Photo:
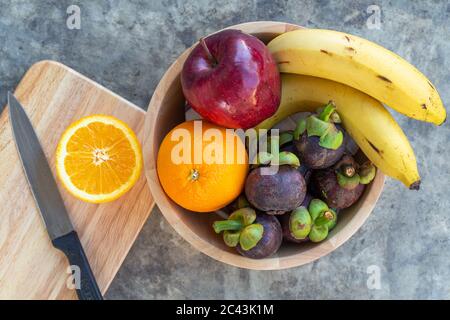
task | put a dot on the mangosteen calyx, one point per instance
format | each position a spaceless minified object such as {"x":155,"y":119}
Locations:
{"x":231,"y":238}
{"x":288,"y":158}
{"x":286,"y":137}
{"x":240,"y":229}
{"x":322,"y":124}
{"x":300,"y":223}
{"x":284,"y":157}
{"x":367,"y":172}
{"x":300,"y":128}
{"x":349,"y":174}
{"x":242,"y":202}
{"x":275,"y":157}
{"x":262,"y":158}
{"x":250,"y":236}
{"x":323,"y":220}
{"x":347,"y":182}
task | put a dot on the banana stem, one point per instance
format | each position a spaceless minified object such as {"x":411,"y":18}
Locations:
{"x":415,"y":185}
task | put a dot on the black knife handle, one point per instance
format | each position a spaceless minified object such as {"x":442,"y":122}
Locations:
{"x":70,"y":244}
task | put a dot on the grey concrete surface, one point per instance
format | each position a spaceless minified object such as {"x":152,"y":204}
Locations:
{"x":127,"y":45}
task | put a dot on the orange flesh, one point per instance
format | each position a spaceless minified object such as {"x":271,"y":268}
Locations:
{"x":100,"y":158}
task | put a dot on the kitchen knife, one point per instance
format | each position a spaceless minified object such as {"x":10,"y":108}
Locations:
{"x":48,"y":199}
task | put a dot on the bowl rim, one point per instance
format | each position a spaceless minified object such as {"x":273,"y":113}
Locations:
{"x":166,"y":205}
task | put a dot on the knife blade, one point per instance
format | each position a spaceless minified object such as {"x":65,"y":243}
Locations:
{"x":49,"y":200}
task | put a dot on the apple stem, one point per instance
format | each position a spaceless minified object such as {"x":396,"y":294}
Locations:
{"x":208,"y":53}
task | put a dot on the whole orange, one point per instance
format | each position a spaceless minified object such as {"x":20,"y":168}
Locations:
{"x":201,"y":166}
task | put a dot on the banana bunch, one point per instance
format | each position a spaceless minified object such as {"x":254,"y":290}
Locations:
{"x":366,"y":120}
{"x":324,"y":65}
{"x":360,"y":64}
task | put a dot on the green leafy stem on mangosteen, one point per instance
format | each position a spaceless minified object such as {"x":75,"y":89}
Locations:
{"x":240,"y":229}
{"x":284,"y":157}
{"x":275,"y":157}
{"x":322,"y":124}
{"x":328,"y":113}
{"x":286,"y":137}
{"x":273,"y":142}
{"x":323,"y":220}
{"x":242,"y":202}
{"x":367,"y":172}
{"x":349,"y":174}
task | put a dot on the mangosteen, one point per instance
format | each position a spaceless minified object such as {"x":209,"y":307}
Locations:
{"x":318,"y":138}
{"x":275,"y":185}
{"x":310,"y":222}
{"x":253,"y":235}
{"x":275,"y":191}
{"x":342,"y":185}
{"x":323,"y":218}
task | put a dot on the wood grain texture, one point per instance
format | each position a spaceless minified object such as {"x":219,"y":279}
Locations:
{"x":30,"y":267}
{"x":166,"y":110}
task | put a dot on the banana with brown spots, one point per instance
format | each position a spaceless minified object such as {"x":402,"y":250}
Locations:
{"x":368,"y":122}
{"x":360,"y":64}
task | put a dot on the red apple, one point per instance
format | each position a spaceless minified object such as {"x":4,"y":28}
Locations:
{"x":231,"y":79}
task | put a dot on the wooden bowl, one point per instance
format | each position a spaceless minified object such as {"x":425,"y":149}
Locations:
{"x":165,"y":111}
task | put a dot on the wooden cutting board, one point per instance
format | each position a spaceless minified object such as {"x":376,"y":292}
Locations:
{"x":30,"y":267}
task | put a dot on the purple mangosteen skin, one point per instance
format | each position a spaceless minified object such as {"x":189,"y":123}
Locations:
{"x":325,"y":184}
{"x":284,"y":221}
{"x":270,"y":241}
{"x":314,"y":156}
{"x":278,"y":193}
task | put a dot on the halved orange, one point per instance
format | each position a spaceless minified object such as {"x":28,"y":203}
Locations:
{"x":98,"y":158}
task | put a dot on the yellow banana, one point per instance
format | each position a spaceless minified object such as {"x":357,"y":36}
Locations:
{"x":366,"y":120}
{"x":360,"y":64}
